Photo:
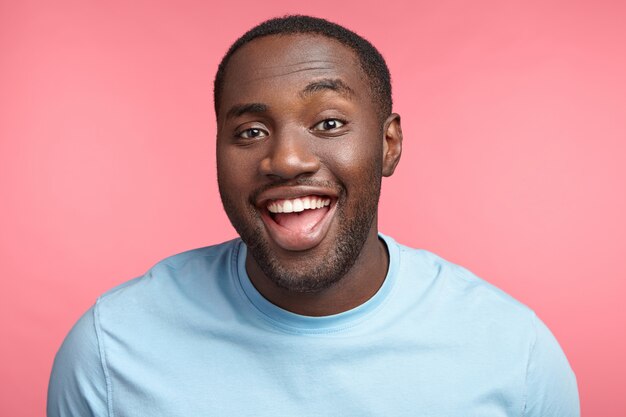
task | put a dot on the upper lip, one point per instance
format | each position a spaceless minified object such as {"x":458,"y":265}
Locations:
{"x":288,"y":192}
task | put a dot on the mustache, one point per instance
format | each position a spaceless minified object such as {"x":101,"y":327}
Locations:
{"x":297,"y":182}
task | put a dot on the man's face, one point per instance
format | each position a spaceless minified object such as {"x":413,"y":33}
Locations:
{"x":300,"y":157}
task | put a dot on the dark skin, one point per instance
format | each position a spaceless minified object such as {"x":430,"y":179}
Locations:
{"x":297,"y":118}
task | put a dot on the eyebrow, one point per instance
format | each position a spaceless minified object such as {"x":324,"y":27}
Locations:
{"x":241,"y":109}
{"x":332,"y":84}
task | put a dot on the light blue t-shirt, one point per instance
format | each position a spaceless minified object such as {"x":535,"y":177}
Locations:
{"x":193,"y":337}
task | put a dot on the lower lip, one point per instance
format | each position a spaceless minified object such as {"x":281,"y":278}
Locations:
{"x":299,"y":241}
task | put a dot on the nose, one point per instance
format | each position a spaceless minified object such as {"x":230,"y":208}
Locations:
{"x":289,"y":156}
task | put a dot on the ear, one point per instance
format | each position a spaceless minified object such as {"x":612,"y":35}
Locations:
{"x":392,"y":144}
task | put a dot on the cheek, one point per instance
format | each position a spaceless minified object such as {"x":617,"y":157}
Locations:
{"x":230,"y":181}
{"x":233,"y":168}
{"x":354,"y":157}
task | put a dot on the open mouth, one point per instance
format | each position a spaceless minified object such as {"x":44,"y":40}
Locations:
{"x":299,"y":214}
{"x":299,"y":223}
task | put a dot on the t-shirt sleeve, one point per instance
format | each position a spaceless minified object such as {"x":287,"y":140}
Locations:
{"x":551,"y":388}
{"x":77,"y":383}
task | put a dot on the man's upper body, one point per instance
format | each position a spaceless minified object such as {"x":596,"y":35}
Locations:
{"x":194,"y":337}
{"x":312,"y":312}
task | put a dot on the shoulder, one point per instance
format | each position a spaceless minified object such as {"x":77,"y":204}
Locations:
{"x":130,"y":313}
{"x":78,"y":383}
{"x":173,"y":274}
{"x":477,"y":314}
{"x":173,"y":291}
{"x":460,"y":289}
{"x":551,"y":386}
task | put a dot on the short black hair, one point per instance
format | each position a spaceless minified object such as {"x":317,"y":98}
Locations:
{"x":371,"y":61}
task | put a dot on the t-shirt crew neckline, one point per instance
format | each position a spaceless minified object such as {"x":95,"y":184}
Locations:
{"x":297,"y":323}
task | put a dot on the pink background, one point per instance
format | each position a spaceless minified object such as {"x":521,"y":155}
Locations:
{"x":513,"y":165}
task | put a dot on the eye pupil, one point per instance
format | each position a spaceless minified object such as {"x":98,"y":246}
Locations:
{"x":331,"y":125}
{"x":254,"y":132}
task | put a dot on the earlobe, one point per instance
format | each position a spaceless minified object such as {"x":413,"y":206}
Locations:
{"x":392,"y":144}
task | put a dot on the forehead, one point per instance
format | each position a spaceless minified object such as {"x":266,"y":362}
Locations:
{"x":280,"y":63}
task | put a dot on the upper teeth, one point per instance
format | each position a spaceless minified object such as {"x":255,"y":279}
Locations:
{"x":295,"y":205}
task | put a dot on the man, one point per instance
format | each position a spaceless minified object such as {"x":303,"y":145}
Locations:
{"x":312,"y":312}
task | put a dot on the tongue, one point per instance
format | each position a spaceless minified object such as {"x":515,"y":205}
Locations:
{"x":301,"y":222}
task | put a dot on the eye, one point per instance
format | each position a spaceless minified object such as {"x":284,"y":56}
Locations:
{"x":329,"y":124}
{"x":252,"y":133}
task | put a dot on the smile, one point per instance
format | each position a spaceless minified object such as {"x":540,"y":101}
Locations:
{"x":300,"y":222}
{"x":297,"y":205}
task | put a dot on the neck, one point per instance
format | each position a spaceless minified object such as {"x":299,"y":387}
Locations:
{"x":357,"y":286}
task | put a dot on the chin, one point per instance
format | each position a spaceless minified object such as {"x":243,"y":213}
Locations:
{"x":317,"y":269}
{"x":306,"y":276}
